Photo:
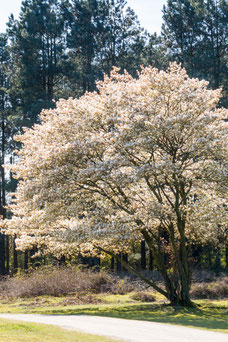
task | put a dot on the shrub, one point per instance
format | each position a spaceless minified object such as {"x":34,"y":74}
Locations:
{"x":143,"y":297}
{"x":215,"y":290}
{"x":60,"y":281}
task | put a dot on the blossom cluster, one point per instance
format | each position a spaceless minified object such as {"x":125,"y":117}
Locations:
{"x":137,"y":155}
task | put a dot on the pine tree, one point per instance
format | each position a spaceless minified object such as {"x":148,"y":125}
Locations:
{"x":81,"y":17}
{"x":182,"y":31}
{"x":196,"y":35}
{"x":215,"y":44}
{"x":37,"y":47}
{"x":5,"y":137}
{"x":101,"y":34}
{"x":123,"y":39}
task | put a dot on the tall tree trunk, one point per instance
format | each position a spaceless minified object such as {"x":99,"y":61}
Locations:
{"x":62,"y":261}
{"x":112,"y":264}
{"x":2,"y":197}
{"x":218,"y":262}
{"x":143,"y":255}
{"x":15,"y":257}
{"x":125,"y":258}
{"x":226,"y":258}
{"x":151,"y":262}
{"x":209,"y":264}
{"x":2,"y":255}
{"x":26,"y":260}
{"x":175,"y":296}
{"x":118,"y":264}
{"x":7,"y":255}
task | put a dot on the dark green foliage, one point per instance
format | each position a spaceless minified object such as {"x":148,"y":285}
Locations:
{"x":5,"y":135}
{"x":59,"y":48}
{"x":196,"y":34}
{"x":101,"y":34}
{"x":37,"y":49}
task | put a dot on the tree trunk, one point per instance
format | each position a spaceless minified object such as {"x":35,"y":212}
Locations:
{"x":151,"y":264}
{"x":125,"y":258}
{"x":2,"y":255}
{"x":217,"y":262}
{"x":143,"y":255}
{"x":227,"y":257}
{"x":26,"y":260}
{"x":112,"y":264}
{"x":177,"y":295}
{"x":62,"y":261}
{"x":7,"y":255}
{"x":118,"y":264}
{"x":2,"y":198}
{"x":15,"y":258}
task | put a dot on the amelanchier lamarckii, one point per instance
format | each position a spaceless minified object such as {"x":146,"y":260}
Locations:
{"x":142,"y":158}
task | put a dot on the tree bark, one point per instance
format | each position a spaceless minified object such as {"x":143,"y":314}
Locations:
{"x":119,"y":263}
{"x":15,"y":259}
{"x":151,"y":264}
{"x":26,"y":260}
{"x":125,"y":258}
{"x":2,"y":197}
{"x":143,"y":255}
{"x":227,"y":258}
{"x":2,"y":255}
{"x":7,"y":255}
{"x":112,"y":264}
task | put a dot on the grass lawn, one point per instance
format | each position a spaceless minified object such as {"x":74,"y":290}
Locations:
{"x":211,"y":315}
{"x":14,"y":331}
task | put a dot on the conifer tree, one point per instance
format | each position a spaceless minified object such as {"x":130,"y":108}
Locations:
{"x":196,"y":34}
{"x":37,"y":44}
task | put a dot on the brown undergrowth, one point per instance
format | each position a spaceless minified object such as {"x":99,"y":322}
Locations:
{"x":82,"y":285}
{"x":217,"y":289}
{"x":60,"y":281}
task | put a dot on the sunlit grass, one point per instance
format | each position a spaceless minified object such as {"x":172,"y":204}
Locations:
{"x":15,"y":331}
{"x":207,"y":314}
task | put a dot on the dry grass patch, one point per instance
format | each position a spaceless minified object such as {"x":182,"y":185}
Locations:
{"x":59,"y":281}
{"x":214,"y":290}
{"x":143,"y":296}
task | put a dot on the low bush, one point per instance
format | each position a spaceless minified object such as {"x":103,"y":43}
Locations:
{"x":78,"y":299}
{"x":81,"y":283}
{"x":60,"y":281}
{"x":143,"y":297}
{"x":214,"y":290}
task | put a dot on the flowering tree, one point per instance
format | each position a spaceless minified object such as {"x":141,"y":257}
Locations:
{"x":141,"y":159}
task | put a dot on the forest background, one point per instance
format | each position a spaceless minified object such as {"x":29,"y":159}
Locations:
{"x":59,"y":48}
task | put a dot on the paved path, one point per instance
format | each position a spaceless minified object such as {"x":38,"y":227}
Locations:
{"x":123,"y":329}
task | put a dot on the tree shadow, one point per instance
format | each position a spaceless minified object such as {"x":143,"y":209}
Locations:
{"x":209,"y":317}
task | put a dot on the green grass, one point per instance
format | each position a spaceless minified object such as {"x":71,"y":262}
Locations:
{"x":13,"y":331}
{"x":211,"y":315}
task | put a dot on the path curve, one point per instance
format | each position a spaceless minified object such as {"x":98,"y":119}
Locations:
{"x":123,"y":329}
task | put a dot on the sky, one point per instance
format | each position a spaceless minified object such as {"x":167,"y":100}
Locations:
{"x":148,"y":11}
